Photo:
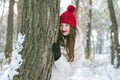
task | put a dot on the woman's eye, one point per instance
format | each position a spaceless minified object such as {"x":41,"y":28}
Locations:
{"x":66,"y":25}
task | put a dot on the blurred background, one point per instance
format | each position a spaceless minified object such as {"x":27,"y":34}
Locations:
{"x":99,"y":21}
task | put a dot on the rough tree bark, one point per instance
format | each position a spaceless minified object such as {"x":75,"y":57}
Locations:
{"x":114,"y":28}
{"x":9,"y":40}
{"x":40,"y":25}
{"x":19,"y":9}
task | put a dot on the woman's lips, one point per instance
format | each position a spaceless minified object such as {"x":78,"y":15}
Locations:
{"x":64,"y":31}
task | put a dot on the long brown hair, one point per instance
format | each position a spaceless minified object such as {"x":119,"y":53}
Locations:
{"x":68,"y":43}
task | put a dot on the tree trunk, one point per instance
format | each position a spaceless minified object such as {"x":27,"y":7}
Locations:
{"x":114,"y":26}
{"x":112,"y":48}
{"x":77,"y":12}
{"x":19,"y":9}
{"x":89,"y":32}
{"x":1,"y":17}
{"x":77,"y":9}
{"x":9,"y":40}
{"x":40,"y":25}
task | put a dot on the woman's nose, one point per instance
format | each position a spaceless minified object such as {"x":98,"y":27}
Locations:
{"x":63,"y":28}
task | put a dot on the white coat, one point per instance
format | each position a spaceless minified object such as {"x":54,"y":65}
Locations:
{"x":63,"y":70}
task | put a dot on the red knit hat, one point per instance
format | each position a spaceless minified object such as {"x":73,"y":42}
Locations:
{"x":68,"y":16}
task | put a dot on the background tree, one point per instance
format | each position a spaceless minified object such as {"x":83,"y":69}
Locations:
{"x":40,"y":25}
{"x":77,"y":9}
{"x":9,"y":40}
{"x":114,"y":29}
{"x":89,"y":31}
{"x":1,"y":18}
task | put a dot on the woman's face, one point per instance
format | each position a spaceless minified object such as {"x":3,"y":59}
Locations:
{"x":65,"y":29}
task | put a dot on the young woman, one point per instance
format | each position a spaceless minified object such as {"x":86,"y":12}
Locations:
{"x":69,"y":47}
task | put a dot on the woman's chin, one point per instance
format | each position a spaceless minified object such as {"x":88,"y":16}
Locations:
{"x":65,"y":34}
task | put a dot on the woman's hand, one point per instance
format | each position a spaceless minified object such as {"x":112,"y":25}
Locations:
{"x":56,"y":51}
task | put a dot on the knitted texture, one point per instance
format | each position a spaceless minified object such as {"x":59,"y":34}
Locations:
{"x":68,"y":16}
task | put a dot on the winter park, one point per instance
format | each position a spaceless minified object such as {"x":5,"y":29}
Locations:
{"x":59,"y":39}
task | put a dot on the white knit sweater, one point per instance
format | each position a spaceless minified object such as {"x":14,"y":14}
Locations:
{"x":63,"y":70}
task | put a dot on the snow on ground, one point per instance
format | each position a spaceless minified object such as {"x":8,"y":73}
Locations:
{"x":98,"y":69}
{"x":7,"y":71}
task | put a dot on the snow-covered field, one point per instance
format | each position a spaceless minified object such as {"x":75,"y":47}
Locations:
{"x":98,"y":69}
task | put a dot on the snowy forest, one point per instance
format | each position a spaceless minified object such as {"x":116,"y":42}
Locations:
{"x":29,"y":27}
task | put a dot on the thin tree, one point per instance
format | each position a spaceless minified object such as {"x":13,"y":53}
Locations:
{"x":40,"y":26}
{"x":77,"y":8}
{"x":1,"y":17}
{"x":114,"y":29}
{"x":89,"y":31}
{"x":112,"y":47}
{"x":9,"y":40}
